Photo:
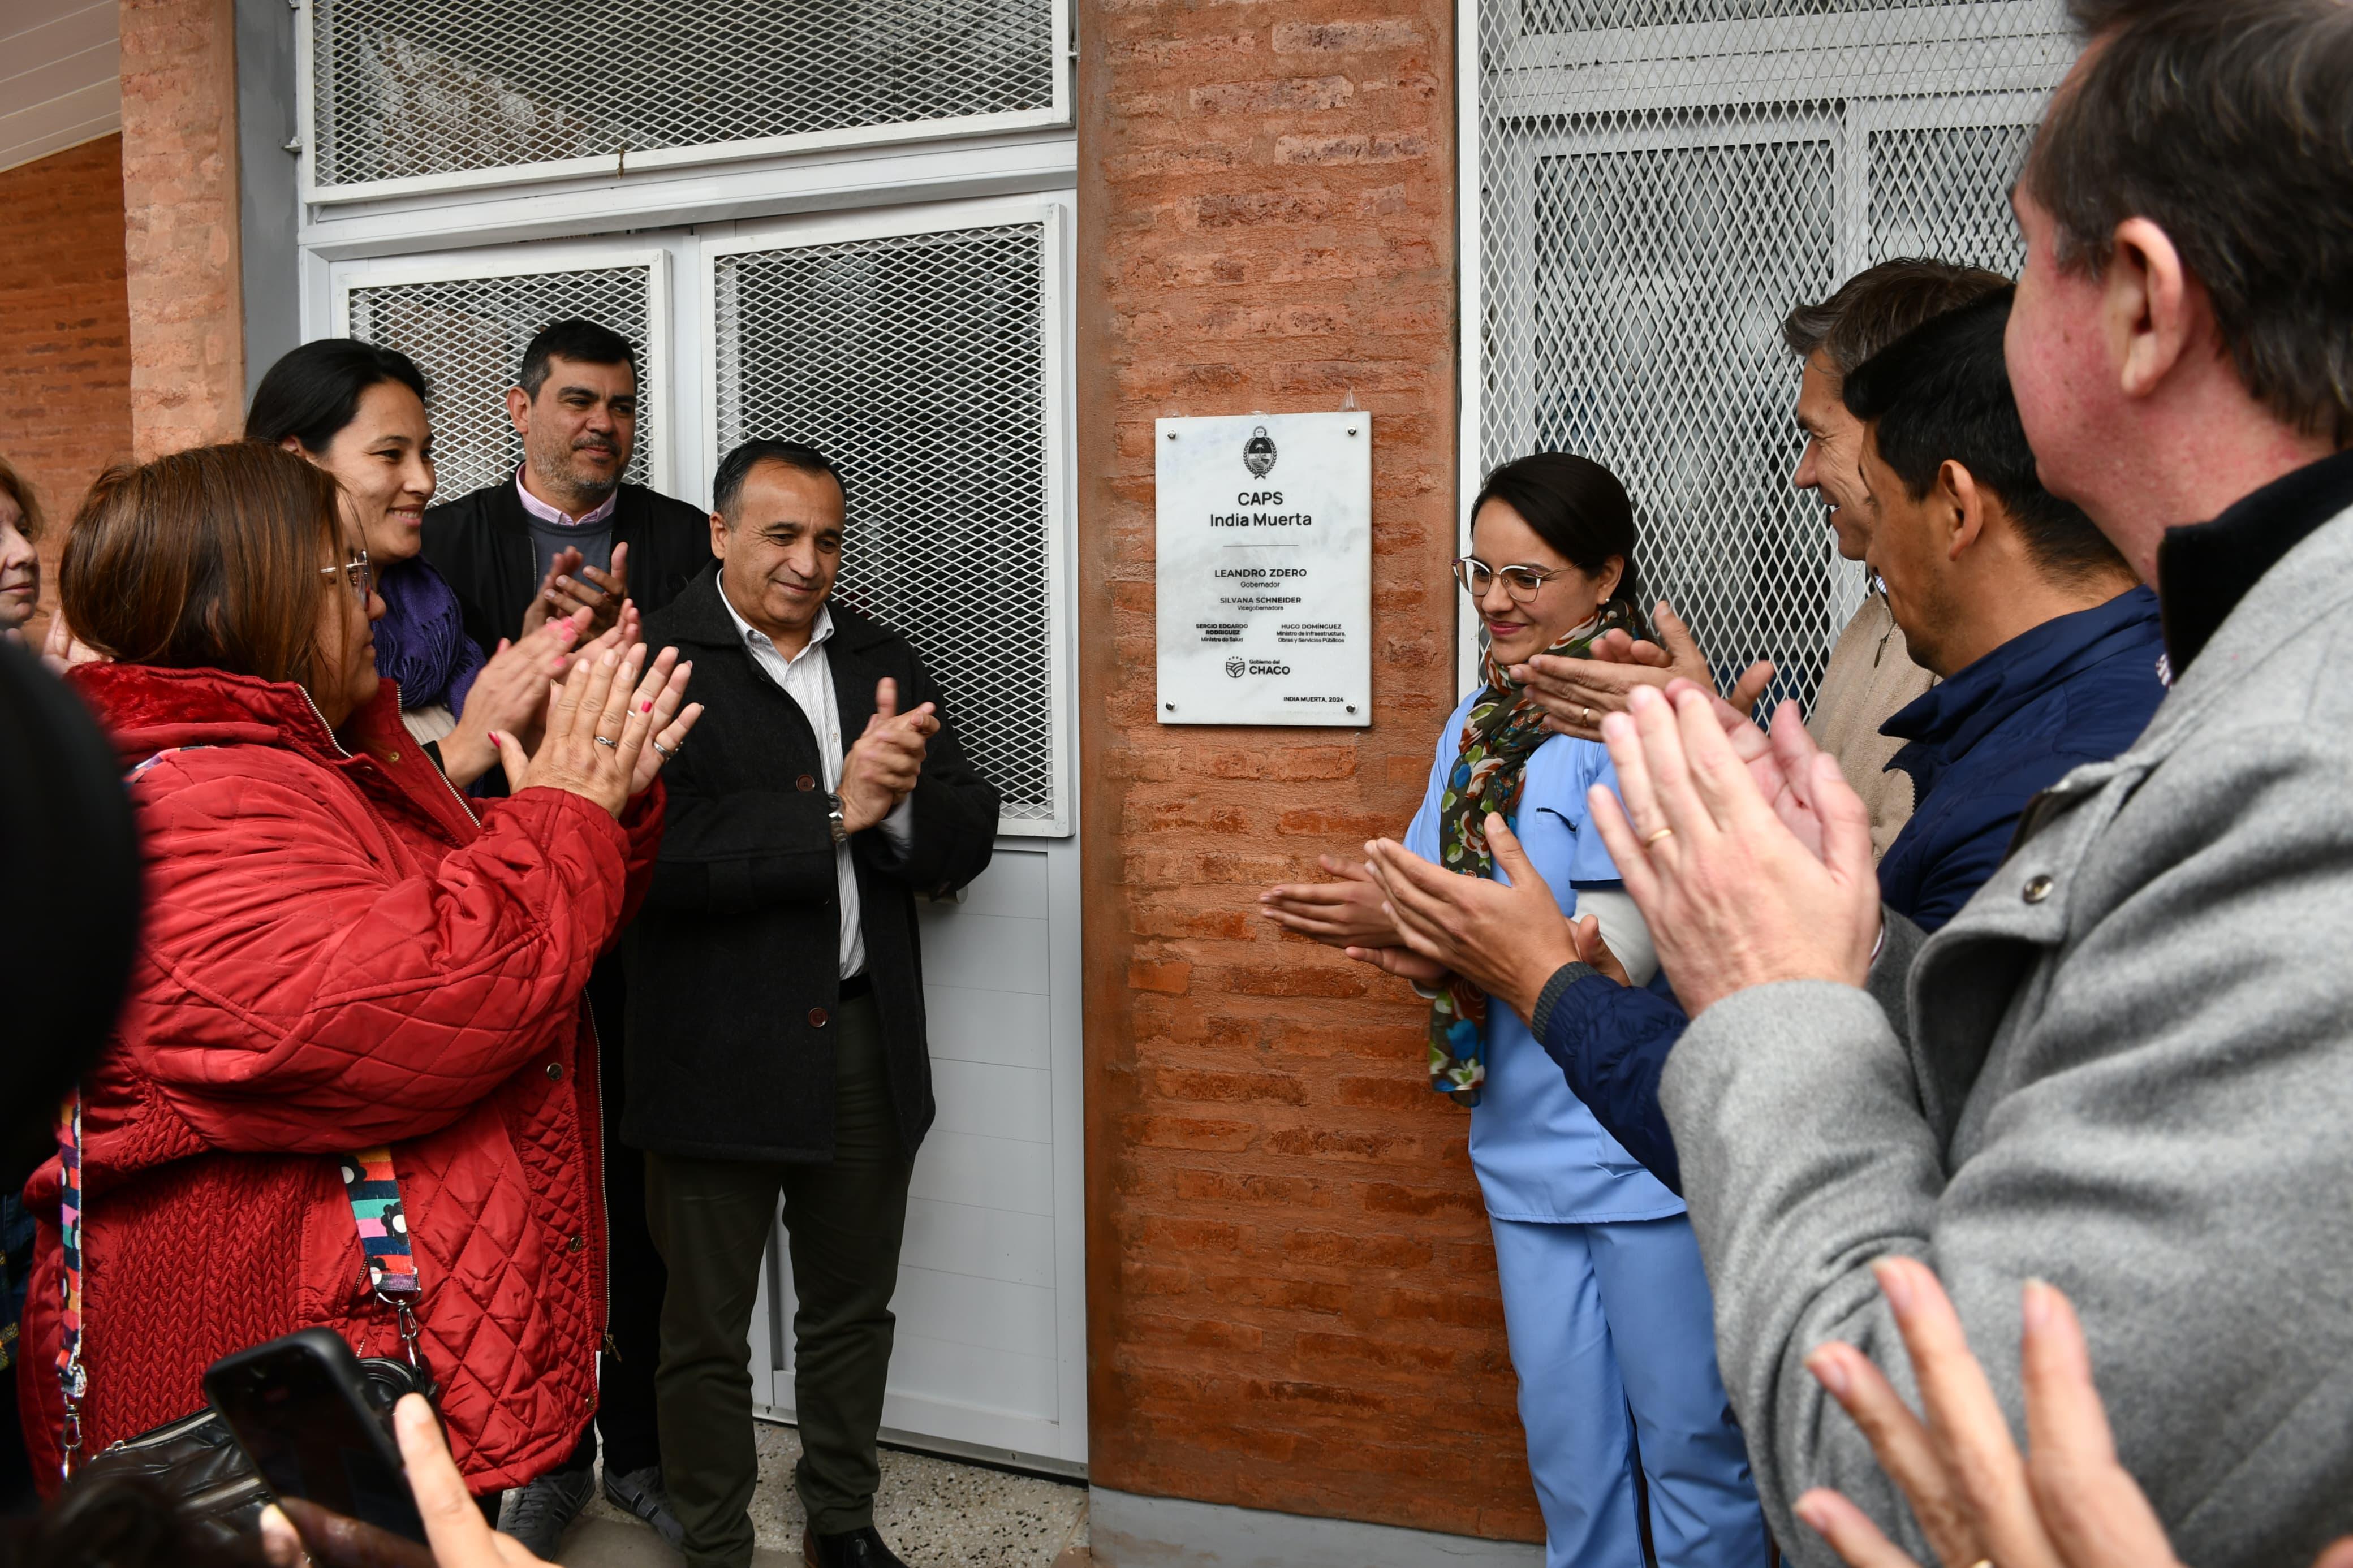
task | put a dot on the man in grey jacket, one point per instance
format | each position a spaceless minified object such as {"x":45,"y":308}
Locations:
{"x":2126,"y":1066}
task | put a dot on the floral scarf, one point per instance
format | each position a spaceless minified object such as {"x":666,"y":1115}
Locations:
{"x":1505,"y":727}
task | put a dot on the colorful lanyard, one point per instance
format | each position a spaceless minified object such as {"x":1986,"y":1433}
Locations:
{"x":368,"y":1183}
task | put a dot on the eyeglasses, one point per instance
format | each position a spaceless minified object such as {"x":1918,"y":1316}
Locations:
{"x":1522,"y":583}
{"x":357,"y":571}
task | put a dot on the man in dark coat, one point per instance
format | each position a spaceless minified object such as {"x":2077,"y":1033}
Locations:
{"x":775,"y":1026}
{"x":564,"y":532}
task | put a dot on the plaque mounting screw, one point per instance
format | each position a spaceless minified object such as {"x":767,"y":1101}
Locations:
{"x":1172,"y":707}
{"x":1352,"y":430}
{"x":1352,"y":708}
{"x":1172,"y":434}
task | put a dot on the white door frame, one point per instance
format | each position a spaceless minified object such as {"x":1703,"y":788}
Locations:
{"x":676,"y":224}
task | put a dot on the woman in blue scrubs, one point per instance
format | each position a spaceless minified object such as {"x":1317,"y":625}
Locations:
{"x":1610,"y":1324}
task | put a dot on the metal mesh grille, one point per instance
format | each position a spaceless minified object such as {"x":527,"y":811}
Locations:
{"x":1661,"y":181}
{"x":468,"y":336}
{"x":916,"y":363}
{"x":409,"y":87}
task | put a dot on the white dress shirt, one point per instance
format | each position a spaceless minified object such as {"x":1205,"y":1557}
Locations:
{"x":807,"y":679}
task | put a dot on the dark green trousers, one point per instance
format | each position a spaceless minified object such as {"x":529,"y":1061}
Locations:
{"x":843,"y":1220}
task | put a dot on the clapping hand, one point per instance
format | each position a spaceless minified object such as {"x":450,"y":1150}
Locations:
{"x":509,"y":693}
{"x":1577,"y":694}
{"x":1733,"y":895}
{"x":1505,"y":940}
{"x":603,"y":717}
{"x":561,"y":591}
{"x":2067,"y":1503}
{"x":883,"y":768}
{"x":1348,"y":912}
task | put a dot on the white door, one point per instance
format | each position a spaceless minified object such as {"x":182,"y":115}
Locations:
{"x":926,"y":349}
{"x":1658,"y":183}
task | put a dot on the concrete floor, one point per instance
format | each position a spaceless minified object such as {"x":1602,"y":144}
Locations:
{"x":935,"y":1514}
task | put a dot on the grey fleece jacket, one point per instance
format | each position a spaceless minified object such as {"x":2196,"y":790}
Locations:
{"x":2127,"y":1067}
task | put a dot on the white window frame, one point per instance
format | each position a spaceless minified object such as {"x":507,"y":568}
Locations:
{"x":579,"y":256}
{"x":621,"y":164}
{"x":1052,"y":213}
{"x":1954,"y":38}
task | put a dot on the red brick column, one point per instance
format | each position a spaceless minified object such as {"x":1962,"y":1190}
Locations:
{"x":1291,"y":1294}
{"x":64,"y":352}
{"x":179,"y":189}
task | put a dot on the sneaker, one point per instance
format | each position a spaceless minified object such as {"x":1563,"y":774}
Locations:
{"x":538,"y":1512}
{"x":851,"y":1548}
{"x":641,"y":1493}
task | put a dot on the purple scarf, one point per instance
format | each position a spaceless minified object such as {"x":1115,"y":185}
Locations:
{"x":421,"y":642}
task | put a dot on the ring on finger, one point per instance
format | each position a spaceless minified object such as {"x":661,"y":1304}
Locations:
{"x":1589,"y":717}
{"x":1650,"y":838}
{"x":668,"y":751}
{"x":603,"y":740}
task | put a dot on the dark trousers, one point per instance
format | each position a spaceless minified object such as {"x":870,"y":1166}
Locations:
{"x":843,"y":1220}
{"x":633,"y":1268}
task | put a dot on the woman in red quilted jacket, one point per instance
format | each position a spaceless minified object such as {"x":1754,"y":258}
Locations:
{"x":338,"y":955}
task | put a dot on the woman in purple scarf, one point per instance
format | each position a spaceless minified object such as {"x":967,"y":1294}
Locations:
{"x":358,"y":411}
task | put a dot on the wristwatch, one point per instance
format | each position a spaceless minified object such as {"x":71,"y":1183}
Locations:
{"x":833,"y":814}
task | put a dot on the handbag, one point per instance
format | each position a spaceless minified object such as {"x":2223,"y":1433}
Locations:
{"x":194,"y":1461}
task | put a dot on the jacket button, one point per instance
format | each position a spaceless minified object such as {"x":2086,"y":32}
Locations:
{"x":816,"y":1017}
{"x":805,"y":781}
{"x":392,"y":756}
{"x":2037,"y":889}
{"x":555,"y":1072}
{"x":576,"y":1244}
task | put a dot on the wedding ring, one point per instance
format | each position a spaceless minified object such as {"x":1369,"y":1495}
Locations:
{"x":602,"y":742}
{"x":666,"y":751}
{"x":1662,"y":833}
{"x":1588,"y":718}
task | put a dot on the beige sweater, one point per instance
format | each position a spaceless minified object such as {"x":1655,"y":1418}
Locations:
{"x":1871,"y":676}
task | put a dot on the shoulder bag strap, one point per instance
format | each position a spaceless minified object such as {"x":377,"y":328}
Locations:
{"x":376,"y":1212}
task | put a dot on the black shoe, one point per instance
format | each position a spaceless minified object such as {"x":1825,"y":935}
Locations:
{"x":641,"y":1493}
{"x":851,"y":1548}
{"x":538,"y":1512}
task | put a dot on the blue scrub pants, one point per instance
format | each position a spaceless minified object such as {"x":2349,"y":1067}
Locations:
{"x":1605,"y":1319}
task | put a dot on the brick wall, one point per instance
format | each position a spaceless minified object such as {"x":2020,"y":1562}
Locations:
{"x":64,"y":349}
{"x":1292,"y":1295}
{"x":179,"y":186}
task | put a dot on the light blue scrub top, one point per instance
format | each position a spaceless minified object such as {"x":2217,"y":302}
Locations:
{"x":1539,"y":1154}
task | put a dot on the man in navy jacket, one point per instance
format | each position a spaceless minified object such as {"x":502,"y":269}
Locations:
{"x":2049,"y":656}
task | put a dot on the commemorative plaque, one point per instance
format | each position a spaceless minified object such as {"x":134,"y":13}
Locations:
{"x":1264,"y":583}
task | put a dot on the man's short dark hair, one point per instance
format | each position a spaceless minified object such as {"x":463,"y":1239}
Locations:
{"x":2230,"y":128}
{"x":736,"y":467}
{"x":1942,"y":391}
{"x":581,"y":341}
{"x":1880,"y":304}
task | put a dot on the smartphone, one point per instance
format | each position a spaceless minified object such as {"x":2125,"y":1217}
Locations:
{"x":300,"y":1407}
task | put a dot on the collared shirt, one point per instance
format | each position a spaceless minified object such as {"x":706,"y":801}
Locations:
{"x":2204,"y":569}
{"x":554,"y":529}
{"x":807,"y":679}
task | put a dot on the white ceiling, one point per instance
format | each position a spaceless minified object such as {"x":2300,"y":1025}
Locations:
{"x":60,"y":82}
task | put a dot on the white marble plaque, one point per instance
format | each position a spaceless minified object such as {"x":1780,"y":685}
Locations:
{"x":1264,"y":585}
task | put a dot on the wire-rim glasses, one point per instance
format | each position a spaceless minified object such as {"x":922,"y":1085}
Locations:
{"x":358,"y":571}
{"x":1522,"y":583}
